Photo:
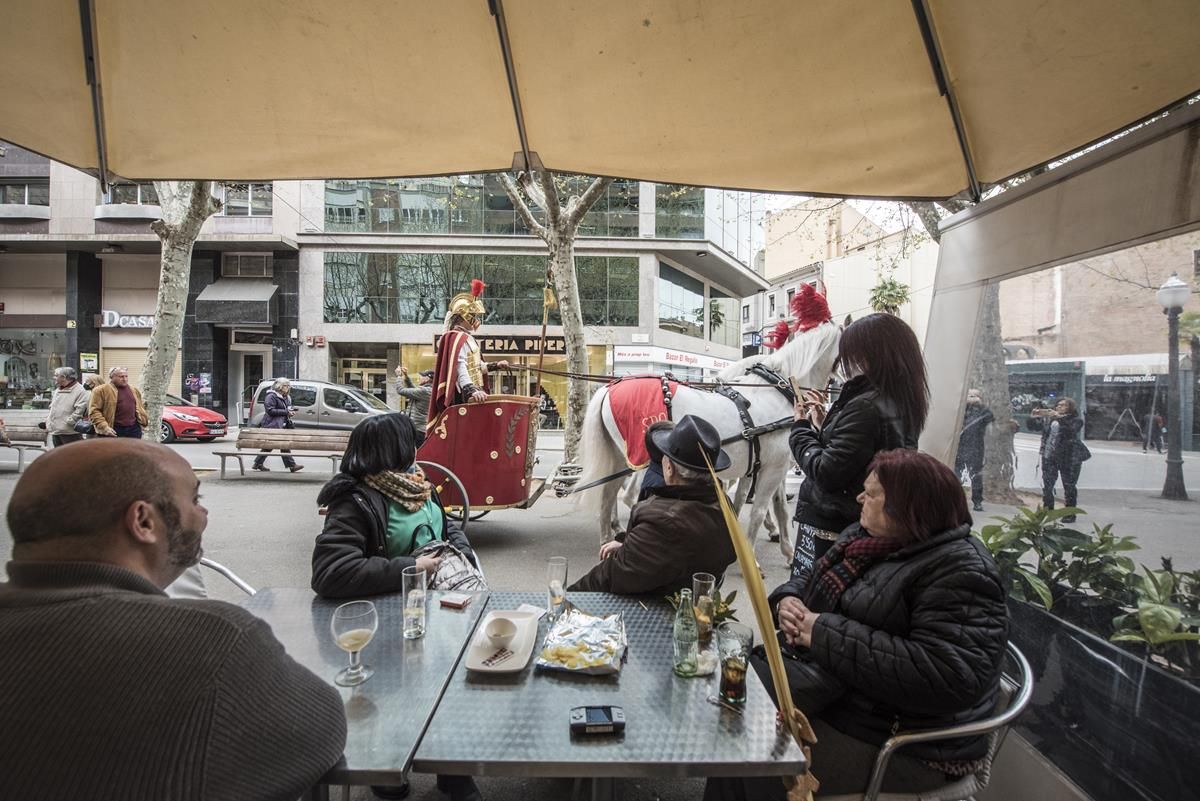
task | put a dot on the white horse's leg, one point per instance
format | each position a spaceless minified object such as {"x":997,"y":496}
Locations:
{"x":610,"y":524}
{"x":779,"y":502}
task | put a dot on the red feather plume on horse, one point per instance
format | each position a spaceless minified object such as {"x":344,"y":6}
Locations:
{"x":809,"y":309}
{"x":477,"y":287}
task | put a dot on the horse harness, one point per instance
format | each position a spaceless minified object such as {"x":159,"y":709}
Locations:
{"x":749,"y":432}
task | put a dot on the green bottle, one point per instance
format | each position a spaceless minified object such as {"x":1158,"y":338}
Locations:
{"x":687,"y":636}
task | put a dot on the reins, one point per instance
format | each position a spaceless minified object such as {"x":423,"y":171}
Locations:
{"x":609,"y":379}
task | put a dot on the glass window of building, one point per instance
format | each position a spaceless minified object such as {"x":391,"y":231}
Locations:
{"x":28,"y":359}
{"x":142,"y":194}
{"x":32,"y":193}
{"x":680,"y":302}
{"x":722,"y":318}
{"x":247,"y":265}
{"x":246,"y":199}
{"x":746,"y":314}
{"x":679,"y":211}
{"x":416,"y":287}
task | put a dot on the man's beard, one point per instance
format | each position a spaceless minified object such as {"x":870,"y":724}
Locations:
{"x":183,"y":545}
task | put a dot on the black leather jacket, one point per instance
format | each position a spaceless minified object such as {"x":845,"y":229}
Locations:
{"x":834,"y":460}
{"x":350,"y":555}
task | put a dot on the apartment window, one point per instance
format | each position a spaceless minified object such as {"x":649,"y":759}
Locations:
{"x":35,"y":193}
{"x":771,"y":306}
{"x":247,"y":265}
{"x":791,"y":293}
{"x":680,"y":302}
{"x":131,"y":194}
{"x":746,"y":313}
{"x":247,"y":200}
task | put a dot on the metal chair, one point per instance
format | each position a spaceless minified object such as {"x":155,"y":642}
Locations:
{"x":1015,"y":693}
{"x":227,"y":573}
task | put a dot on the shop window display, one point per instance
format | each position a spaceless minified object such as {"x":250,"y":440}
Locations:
{"x":28,"y":359}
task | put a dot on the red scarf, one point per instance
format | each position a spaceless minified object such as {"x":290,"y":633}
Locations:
{"x":843,"y":564}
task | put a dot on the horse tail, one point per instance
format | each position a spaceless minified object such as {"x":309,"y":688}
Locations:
{"x":599,"y":454}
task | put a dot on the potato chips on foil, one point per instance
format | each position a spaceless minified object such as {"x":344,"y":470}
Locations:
{"x":583,"y":643}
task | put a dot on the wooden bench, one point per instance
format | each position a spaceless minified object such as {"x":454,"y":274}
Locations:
{"x":24,"y":438}
{"x":304,"y":443}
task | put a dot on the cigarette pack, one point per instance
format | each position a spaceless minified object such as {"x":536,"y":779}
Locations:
{"x":456,"y":600}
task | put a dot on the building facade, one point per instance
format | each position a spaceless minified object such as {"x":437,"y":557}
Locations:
{"x":346,"y":280}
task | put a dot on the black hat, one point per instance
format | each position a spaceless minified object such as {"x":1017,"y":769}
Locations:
{"x":426,"y":373}
{"x":691,"y":437}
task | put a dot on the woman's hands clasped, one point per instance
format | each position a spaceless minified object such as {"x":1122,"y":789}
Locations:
{"x":796,"y":621}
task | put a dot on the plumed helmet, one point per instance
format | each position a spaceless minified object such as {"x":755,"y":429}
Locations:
{"x":468,"y":305}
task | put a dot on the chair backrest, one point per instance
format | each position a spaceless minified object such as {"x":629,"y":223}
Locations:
{"x":1014,"y":695}
{"x":227,"y":573}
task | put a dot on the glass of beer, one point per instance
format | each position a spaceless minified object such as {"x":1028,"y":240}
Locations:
{"x":413,"y":581}
{"x":703,"y":585}
{"x":353,"y":625}
{"x":556,"y":582}
{"x":733,"y":644}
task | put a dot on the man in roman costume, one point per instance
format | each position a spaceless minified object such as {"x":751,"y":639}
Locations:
{"x":460,"y":374}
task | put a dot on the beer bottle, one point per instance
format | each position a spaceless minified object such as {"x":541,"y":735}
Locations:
{"x":687,"y":636}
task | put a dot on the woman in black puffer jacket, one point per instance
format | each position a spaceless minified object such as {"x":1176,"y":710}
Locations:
{"x":882,"y":406}
{"x":379,"y":513}
{"x":902,"y":628}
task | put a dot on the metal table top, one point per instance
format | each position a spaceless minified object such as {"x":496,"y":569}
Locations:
{"x":387,"y":714}
{"x":516,"y":724}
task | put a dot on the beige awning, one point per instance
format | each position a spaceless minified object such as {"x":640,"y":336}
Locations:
{"x":786,"y":95}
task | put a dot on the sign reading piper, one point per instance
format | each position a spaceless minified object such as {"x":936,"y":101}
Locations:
{"x":524,"y":346}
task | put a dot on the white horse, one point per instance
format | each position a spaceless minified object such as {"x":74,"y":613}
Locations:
{"x":808,"y":358}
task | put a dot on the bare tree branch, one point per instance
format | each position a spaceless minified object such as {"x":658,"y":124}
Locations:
{"x":1119,"y":278}
{"x":578,"y":206}
{"x":514,"y":194}
{"x":550,"y":195}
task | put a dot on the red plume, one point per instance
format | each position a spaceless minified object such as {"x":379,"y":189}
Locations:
{"x":777,"y":336}
{"x":477,"y":287}
{"x":810,"y":308}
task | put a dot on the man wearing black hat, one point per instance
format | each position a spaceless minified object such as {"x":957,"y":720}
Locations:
{"x":678,"y":530}
{"x":417,"y":397}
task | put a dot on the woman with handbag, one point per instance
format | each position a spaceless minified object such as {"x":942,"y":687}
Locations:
{"x":383,"y":516}
{"x":277,"y":413}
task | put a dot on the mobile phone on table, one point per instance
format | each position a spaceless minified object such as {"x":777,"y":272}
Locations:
{"x":597,"y":720}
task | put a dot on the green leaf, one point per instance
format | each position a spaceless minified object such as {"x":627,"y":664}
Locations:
{"x":1158,"y":621}
{"x":1038,"y":586}
{"x":1128,"y":637}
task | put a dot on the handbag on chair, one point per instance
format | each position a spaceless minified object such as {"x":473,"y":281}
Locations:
{"x":455,"y":571}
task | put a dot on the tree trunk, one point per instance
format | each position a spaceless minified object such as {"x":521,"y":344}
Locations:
{"x":185,"y":205}
{"x":566,"y":287}
{"x":990,"y":374}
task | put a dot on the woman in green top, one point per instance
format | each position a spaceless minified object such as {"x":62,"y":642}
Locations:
{"x":380,"y":510}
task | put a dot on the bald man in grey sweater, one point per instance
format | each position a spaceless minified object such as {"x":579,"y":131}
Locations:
{"x":113,"y":690}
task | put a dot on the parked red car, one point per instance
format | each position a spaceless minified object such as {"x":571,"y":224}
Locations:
{"x":182,"y":420}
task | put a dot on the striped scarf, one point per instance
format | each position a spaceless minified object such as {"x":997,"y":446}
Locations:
{"x":843,"y":564}
{"x":410,"y":490}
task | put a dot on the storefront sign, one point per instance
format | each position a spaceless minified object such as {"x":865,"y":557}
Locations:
{"x":650,"y":353}
{"x":1130,"y":379}
{"x":517,"y":346}
{"x":89,"y":362}
{"x":113,"y":319}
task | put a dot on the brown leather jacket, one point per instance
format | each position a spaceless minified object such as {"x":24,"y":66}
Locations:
{"x":103,"y":408}
{"x":675,"y":532}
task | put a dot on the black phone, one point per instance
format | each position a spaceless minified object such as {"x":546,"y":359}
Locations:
{"x":597,"y":720}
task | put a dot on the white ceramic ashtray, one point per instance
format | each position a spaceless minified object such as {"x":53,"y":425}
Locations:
{"x":500,"y":631}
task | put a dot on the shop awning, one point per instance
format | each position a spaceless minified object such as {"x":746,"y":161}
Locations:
{"x":238,"y":301}
{"x":883,"y":98}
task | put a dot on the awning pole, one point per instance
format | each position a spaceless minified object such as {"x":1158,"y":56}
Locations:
{"x":531,"y":162}
{"x":91,"y":66}
{"x":933,"y":50}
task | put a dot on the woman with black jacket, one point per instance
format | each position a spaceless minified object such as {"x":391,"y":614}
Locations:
{"x":380,"y":510}
{"x":1062,"y":452}
{"x":881,"y":406}
{"x":902,"y":628}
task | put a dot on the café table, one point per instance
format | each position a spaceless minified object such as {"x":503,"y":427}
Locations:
{"x":387,"y":714}
{"x":516,"y":724}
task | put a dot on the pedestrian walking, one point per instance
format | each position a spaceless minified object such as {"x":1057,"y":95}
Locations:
{"x":417,"y":397}
{"x":1152,"y":426}
{"x":116,"y":409}
{"x":68,"y":406}
{"x":976,"y":419}
{"x":1062,"y":452}
{"x":278,"y":414}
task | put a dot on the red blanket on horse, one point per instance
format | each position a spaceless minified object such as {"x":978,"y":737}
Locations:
{"x":637,"y":403}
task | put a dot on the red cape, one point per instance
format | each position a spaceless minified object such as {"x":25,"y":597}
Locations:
{"x":445,"y":378}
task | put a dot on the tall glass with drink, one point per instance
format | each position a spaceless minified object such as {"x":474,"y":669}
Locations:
{"x":703,"y":585}
{"x":353,"y":625}
{"x":733,"y":644}
{"x":556,"y":582}
{"x":413,"y":581}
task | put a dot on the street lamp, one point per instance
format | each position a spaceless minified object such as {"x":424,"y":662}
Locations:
{"x":1171,"y":296}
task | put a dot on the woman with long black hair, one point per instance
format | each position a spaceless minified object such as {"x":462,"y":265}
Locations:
{"x":881,"y":406}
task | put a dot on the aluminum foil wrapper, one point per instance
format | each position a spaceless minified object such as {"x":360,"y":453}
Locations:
{"x":583,"y":643}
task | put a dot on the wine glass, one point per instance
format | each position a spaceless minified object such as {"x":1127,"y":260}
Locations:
{"x":353,"y":625}
{"x":556,"y":582}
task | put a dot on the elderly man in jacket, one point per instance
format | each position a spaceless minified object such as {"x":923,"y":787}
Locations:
{"x":678,"y":530}
{"x":115,"y":690}
{"x":116,"y":408}
{"x":68,"y":406}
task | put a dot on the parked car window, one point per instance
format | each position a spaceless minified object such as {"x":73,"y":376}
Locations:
{"x":303,"y":396}
{"x":336,"y":399}
{"x":174,"y":401}
{"x":371,"y":401}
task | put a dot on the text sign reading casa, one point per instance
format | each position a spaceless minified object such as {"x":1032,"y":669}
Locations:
{"x":113,"y":319}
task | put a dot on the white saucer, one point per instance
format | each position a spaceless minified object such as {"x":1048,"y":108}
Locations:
{"x":481,"y":649}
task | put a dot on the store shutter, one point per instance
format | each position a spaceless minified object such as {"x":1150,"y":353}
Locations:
{"x":132,"y":359}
